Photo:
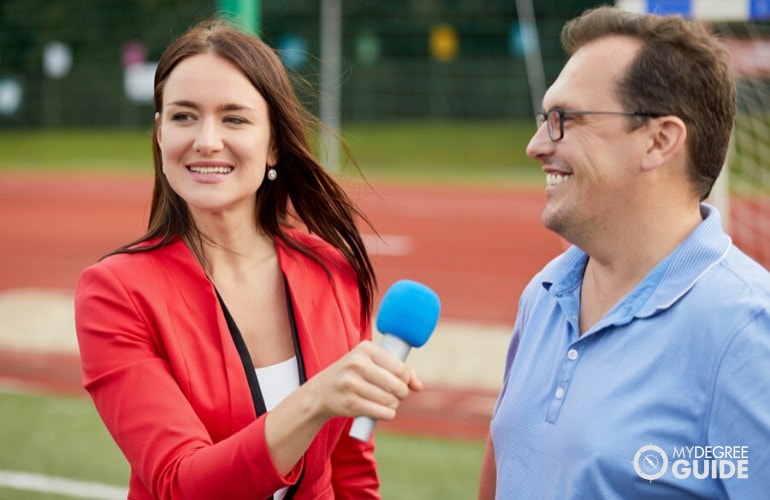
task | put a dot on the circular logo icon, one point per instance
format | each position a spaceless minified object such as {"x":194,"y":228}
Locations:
{"x":650,"y":462}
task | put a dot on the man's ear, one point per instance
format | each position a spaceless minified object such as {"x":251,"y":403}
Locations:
{"x":668,"y":138}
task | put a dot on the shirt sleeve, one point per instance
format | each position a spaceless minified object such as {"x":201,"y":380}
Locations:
{"x":526,"y":303}
{"x":144,"y":409}
{"x":740,"y":415}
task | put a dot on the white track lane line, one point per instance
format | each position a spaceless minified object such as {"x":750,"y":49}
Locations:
{"x":60,"y":486}
{"x":387,"y":244}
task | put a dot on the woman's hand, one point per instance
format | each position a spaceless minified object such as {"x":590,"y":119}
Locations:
{"x":367,"y":381}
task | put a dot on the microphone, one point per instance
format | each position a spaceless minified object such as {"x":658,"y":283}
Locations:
{"x":408,"y":314}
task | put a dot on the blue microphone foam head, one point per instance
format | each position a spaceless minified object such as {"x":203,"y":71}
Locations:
{"x":409,"y":310}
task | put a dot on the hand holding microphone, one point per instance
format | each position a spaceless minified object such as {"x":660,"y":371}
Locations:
{"x":408,"y":315}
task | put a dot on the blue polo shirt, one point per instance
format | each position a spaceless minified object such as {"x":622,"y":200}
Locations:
{"x":667,"y":396}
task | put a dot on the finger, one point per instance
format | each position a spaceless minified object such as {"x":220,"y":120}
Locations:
{"x":362,"y":378}
{"x":394,"y":383}
{"x":358,"y":385}
{"x":397,"y":367}
{"x":381,"y":368}
{"x":385,"y":358}
{"x":358,"y":397}
{"x":414,"y":383}
{"x":375,"y":411}
{"x":343,"y":391}
{"x":389,"y":362}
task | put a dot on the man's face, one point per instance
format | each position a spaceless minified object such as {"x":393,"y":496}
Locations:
{"x":590,"y":172}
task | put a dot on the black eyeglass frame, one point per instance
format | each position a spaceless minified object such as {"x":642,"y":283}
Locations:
{"x":545,"y":117}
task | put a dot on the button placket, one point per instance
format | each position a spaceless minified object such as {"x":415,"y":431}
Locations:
{"x":566,"y":371}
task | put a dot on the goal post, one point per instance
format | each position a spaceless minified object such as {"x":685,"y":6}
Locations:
{"x":742,"y":191}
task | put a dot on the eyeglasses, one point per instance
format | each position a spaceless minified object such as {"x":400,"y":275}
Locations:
{"x":555,"y":119}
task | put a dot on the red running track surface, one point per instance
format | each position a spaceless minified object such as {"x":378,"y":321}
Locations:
{"x":476,"y":247}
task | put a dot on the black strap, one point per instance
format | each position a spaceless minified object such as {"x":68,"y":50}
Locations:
{"x":248,"y":366}
{"x":294,"y":334}
{"x":292,"y":491}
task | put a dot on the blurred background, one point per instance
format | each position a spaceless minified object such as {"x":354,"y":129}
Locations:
{"x":436,"y":99}
{"x":85,"y":63}
{"x":88,"y":64}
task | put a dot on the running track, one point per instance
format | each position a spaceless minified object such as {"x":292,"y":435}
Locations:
{"x":475,"y":247}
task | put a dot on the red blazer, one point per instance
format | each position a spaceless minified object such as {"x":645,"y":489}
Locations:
{"x":164,"y":373}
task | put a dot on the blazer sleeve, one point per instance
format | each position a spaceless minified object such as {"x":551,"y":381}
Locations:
{"x":354,"y":468}
{"x":128,"y":375}
{"x":329,"y":322}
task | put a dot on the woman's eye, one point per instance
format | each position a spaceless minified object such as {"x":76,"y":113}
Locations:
{"x":234,"y":120}
{"x":181,"y":117}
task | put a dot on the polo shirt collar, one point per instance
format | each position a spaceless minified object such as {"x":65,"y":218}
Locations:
{"x":704,"y":248}
{"x":665,"y":284}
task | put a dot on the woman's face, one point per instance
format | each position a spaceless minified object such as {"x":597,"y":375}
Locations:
{"x":214,"y":136}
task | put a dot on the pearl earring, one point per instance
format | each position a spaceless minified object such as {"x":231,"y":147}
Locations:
{"x":272,"y":174}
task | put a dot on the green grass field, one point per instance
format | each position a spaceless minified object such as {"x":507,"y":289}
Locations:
{"x":464,"y":152}
{"x":63,"y":437}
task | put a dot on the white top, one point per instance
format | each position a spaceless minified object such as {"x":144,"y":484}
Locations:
{"x":276,"y":382}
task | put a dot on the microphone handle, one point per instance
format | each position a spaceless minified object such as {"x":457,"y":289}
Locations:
{"x":363,"y":426}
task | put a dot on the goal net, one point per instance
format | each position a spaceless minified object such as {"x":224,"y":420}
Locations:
{"x":742,"y":192}
{"x":748,"y":164}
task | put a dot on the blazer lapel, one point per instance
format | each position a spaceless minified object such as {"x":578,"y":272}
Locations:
{"x":323,"y":335}
{"x":204,"y":340}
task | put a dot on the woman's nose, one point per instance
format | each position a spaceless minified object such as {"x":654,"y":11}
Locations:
{"x":208,"y":138}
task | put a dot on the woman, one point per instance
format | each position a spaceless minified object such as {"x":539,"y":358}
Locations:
{"x":227,"y":348}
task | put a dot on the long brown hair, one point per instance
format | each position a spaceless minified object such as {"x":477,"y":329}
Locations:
{"x":303,"y":191}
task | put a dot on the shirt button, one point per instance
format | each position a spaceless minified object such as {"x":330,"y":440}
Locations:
{"x":559,"y":393}
{"x":572,"y":354}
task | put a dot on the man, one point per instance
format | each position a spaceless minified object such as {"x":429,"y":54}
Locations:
{"x":640,"y":361}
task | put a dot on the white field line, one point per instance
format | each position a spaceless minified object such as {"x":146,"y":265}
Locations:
{"x":60,"y":486}
{"x":387,"y":244}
